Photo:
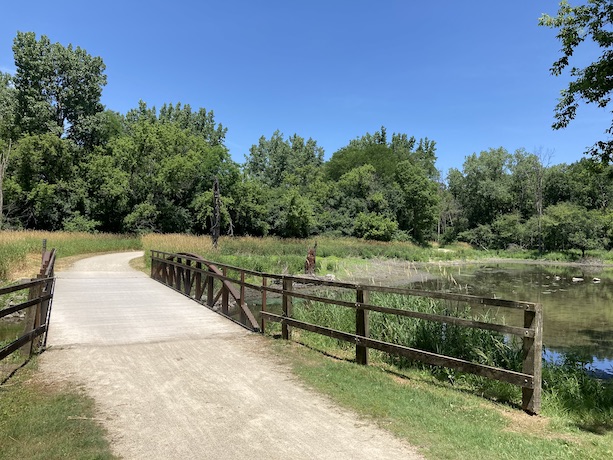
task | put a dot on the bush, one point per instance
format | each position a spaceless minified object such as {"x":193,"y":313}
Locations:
{"x":79,"y":223}
{"x":371,"y":226}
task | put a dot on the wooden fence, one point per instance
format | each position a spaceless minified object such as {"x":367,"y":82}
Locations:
{"x":210,"y":284}
{"x":37,"y":308}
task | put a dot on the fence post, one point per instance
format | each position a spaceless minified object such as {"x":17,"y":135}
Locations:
{"x":170,"y":280}
{"x":532,"y":354}
{"x":210,"y":285}
{"x":361,"y":326}
{"x":243,"y":317}
{"x":224,"y":292}
{"x":187,"y":278}
{"x":50,"y":288}
{"x":286,"y":331}
{"x":198,"y":282}
{"x":32,"y":318}
{"x":262,"y":320}
{"x":178,"y":274}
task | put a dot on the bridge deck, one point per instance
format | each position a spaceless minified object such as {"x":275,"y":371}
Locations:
{"x":172,"y":379}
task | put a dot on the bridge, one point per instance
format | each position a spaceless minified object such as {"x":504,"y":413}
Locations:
{"x":172,"y":379}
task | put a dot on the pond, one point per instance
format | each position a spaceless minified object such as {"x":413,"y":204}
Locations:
{"x":577,"y":302}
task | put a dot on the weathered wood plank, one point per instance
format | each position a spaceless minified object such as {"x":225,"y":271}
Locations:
{"x":287,"y":308}
{"x":22,"y":285}
{"x":21,"y":306}
{"x":532,"y":352}
{"x":514,"y":330}
{"x":361,"y":326}
{"x":515,"y":378}
{"x":21,"y":341}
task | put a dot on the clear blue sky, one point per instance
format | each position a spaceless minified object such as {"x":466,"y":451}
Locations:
{"x":469,"y":75}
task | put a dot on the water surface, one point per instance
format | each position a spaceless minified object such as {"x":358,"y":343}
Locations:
{"x":577,"y":302}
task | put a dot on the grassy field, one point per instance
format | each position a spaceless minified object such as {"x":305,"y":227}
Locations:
{"x":447,"y":415}
{"x":20,"y":248}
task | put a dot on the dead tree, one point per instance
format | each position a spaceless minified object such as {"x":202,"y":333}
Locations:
{"x":309,"y":263}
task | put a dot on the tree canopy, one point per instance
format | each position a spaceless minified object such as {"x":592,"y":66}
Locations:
{"x":57,"y":87}
{"x":67,"y":162}
{"x":592,"y":83}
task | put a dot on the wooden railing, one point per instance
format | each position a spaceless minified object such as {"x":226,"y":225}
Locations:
{"x":210,"y":284}
{"x":197,"y":278}
{"x":37,"y":307}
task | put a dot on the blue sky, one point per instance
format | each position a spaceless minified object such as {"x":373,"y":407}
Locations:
{"x":469,"y":75}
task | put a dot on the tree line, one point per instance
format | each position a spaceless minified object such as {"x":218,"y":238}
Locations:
{"x":69,"y":163}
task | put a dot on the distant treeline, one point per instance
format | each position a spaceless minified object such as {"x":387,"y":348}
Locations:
{"x":67,"y":163}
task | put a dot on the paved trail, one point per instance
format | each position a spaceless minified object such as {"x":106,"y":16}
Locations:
{"x":173,"y":380}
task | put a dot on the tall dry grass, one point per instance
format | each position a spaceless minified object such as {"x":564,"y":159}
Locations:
{"x":17,"y":246}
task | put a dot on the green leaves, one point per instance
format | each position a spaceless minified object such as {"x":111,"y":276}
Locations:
{"x":592,"y":84}
{"x":57,"y":87}
{"x":276,"y":160}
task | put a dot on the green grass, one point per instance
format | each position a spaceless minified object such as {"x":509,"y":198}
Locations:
{"x":38,"y":421}
{"x":570,"y":394}
{"x":10,"y":332}
{"x":443,"y":422}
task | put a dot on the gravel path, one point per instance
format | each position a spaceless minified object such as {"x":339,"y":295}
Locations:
{"x":171,"y":379}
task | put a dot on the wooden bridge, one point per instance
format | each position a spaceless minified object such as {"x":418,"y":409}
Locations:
{"x":172,"y":379}
{"x":210,"y":283}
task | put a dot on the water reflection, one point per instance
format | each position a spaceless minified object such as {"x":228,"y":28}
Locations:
{"x":577,"y":302}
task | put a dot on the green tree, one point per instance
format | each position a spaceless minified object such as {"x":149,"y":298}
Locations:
{"x":50,"y":188}
{"x":592,"y":83}
{"x":98,"y":129}
{"x":357,"y":191}
{"x":7,"y":130}
{"x":200,"y":123}
{"x":569,"y":226}
{"x":249,"y":210}
{"x":373,"y":149}
{"x":483,"y":188}
{"x":508,"y":230}
{"x":276,"y":161}
{"x":291,"y":214}
{"x":108,"y":191}
{"x":167,"y":168}
{"x":57,"y":87}
{"x":419,"y":198}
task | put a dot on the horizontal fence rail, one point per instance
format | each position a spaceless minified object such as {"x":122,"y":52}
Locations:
{"x":37,"y":309}
{"x":210,"y":284}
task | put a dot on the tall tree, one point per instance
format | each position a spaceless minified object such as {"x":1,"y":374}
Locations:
{"x":274,"y":160}
{"x":374,"y":149}
{"x":57,"y":87}
{"x":483,"y":187}
{"x":420,"y":200}
{"x":593,"y":83}
{"x":7,"y":130}
{"x":201,"y":123}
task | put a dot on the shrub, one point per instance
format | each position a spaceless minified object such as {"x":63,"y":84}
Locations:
{"x":371,"y":226}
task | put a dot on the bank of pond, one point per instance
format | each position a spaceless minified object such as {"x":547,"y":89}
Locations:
{"x":577,"y":303}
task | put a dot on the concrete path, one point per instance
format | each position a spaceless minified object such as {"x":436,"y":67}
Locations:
{"x":173,"y":380}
